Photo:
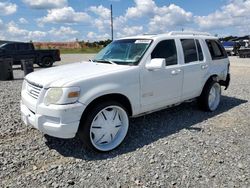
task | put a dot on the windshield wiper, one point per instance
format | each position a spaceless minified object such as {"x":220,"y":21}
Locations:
{"x":103,"y":61}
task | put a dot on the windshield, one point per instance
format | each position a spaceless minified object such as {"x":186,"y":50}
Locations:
{"x":123,"y":52}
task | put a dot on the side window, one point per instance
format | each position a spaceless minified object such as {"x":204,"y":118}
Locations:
{"x":23,"y":46}
{"x":189,"y":49}
{"x":216,"y":50}
{"x":166,"y":49}
{"x":200,"y":54}
{"x":18,"y":47}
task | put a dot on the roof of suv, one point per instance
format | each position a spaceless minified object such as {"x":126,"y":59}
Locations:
{"x":174,"y":34}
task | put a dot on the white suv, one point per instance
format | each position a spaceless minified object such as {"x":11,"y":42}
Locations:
{"x":131,"y":77}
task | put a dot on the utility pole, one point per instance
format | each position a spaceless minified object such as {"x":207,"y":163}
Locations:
{"x":111,"y":19}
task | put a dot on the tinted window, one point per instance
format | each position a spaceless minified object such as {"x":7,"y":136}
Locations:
{"x":23,"y":46}
{"x":200,"y":54}
{"x":166,"y":49}
{"x":216,"y":49}
{"x":189,"y":49}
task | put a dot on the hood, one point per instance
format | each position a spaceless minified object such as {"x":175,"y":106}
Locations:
{"x":61,"y":75}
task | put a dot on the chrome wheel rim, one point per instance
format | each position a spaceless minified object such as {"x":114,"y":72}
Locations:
{"x":214,"y":96}
{"x":109,"y":128}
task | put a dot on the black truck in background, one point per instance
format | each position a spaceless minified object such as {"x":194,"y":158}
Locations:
{"x":23,"y":51}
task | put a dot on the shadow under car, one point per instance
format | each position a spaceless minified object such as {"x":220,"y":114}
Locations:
{"x":146,"y":129}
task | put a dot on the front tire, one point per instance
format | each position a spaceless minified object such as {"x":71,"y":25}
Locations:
{"x":209,"y":99}
{"x":104,"y":127}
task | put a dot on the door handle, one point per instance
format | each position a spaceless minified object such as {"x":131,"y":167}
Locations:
{"x":175,"y":72}
{"x":178,"y":70}
{"x":204,"y":66}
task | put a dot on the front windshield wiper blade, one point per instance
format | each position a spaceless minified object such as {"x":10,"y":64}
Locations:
{"x":103,"y":61}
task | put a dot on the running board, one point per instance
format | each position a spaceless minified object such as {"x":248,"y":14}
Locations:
{"x":163,"y":108}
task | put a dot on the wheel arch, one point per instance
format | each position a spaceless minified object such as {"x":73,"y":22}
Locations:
{"x":122,"y":99}
{"x":47,"y":56}
{"x":214,"y":77}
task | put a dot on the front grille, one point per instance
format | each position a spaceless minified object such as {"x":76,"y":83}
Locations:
{"x":33,"y":90}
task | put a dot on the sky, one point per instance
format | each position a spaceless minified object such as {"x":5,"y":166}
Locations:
{"x":89,"y":20}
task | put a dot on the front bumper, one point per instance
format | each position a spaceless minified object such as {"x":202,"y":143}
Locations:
{"x":60,"y":121}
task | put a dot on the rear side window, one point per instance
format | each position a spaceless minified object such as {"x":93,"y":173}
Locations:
{"x":166,"y":49}
{"x":189,"y":49}
{"x":216,"y":50}
{"x":23,"y":46}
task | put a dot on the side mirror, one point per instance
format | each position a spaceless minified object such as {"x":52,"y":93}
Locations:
{"x":156,"y":64}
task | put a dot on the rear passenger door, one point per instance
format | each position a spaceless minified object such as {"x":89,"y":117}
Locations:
{"x":194,"y":68}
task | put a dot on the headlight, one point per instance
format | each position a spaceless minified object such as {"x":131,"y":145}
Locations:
{"x":62,"y":95}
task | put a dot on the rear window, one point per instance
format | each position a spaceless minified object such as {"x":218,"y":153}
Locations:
{"x":216,"y":49}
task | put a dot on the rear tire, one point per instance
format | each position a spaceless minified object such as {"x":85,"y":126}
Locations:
{"x":209,"y":99}
{"x":104,"y":126}
{"x":46,"y":62}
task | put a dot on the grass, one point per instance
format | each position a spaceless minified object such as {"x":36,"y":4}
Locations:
{"x":80,"y":51}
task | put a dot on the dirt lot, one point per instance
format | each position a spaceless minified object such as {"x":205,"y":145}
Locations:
{"x":177,"y":147}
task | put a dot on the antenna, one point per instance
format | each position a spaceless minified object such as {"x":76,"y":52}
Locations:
{"x":111,"y":22}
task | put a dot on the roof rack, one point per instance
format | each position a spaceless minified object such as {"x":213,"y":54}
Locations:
{"x":149,"y":34}
{"x":194,"y":33}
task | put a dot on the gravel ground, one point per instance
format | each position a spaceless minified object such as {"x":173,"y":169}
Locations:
{"x":177,"y":147}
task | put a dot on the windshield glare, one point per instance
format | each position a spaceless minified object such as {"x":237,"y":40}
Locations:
{"x":2,"y":45}
{"x":124,"y":52}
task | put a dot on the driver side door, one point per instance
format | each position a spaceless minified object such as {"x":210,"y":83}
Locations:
{"x":162,"y":87}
